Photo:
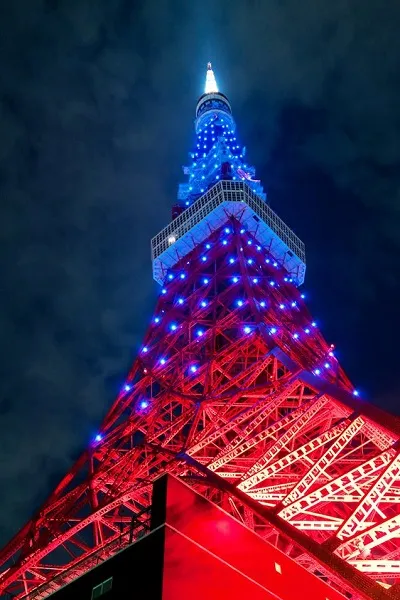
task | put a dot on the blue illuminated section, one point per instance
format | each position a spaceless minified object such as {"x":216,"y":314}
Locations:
{"x":222,"y":187}
{"x":224,"y":201}
{"x":218,"y":154}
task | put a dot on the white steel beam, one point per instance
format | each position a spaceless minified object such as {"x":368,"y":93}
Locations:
{"x":370,"y":502}
{"x":241,"y":443}
{"x":337,"y":485}
{"x":305,"y":414}
{"x":377,"y":566}
{"x":319,"y":468}
{"x":215,"y":430}
{"x":306,"y":449}
{"x":363,"y":543}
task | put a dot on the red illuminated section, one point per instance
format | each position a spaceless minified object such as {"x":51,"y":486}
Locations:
{"x":208,"y":554}
{"x":234,"y":381}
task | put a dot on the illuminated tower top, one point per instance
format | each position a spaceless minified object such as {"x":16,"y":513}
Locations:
{"x":222,"y":186}
{"x":211,"y":85}
{"x":217,"y":153}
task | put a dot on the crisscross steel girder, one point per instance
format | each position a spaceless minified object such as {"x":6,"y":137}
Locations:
{"x":326,"y":459}
{"x":376,"y":494}
{"x":253,"y":410}
{"x":349,"y":478}
{"x":302,"y":418}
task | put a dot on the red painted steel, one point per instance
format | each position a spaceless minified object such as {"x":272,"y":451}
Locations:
{"x":234,"y":374}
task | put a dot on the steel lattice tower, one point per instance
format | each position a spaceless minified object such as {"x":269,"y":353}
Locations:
{"x":236,"y":391}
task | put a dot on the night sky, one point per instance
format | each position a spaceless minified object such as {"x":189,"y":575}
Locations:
{"x":97,"y":102}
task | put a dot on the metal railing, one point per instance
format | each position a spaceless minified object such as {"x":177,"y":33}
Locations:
{"x":225,"y":191}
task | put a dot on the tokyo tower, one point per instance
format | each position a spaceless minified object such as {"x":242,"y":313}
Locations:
{"x":236,"y":391}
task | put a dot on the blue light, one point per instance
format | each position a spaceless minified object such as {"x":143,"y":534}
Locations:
{"x":314,"y":324}
{"x":182,"y":275}
{"x":162,"y":361}
{"x":163,"y":291}
{"x":173,"y":327}
{"x":331,"y":354}
{"x":317,"y":371}
{"x":262,"y":303}
{"x":258,"y":248}
{"x":170,"y":276}
{"x":267,"y":260}
{"x":231,"y":260}
{"x":203,"y":303}
{"x":204,"y":258}
{"x":227,"y":230}
{"x":255,"y":280}
{"x":327,"y":366}
{"x":145,"y":349}
{"x":157,"y":320}
{"x":235,"y":279}
{"x":208,"y":246}
{"x":193,"y":368}
{"x":295,"y":335}
{"x":250,"y":261}
{"x":144,"y":404}
{"x":281,"y":306}
{"x":205,"y":280}
{"x":293,"y":304}
{"x":272,"y":283}
{"x":249,"y":242}
{"x":285,"y":279}
{"x":307,"y":330}
{"x":275,"y":264}
{"x":98,"y":438}
{"x":247,"y":329}
{"x":239,"y":302}
{"x":224,"y":242}
{"x":356,"y":393}
{"x":242,"y":231}
{"x":199,"y":332}
{"x":273,"y":330}
{"x":180,"y":301}
{"x":127,"y":387}
{"x":302,"y":296}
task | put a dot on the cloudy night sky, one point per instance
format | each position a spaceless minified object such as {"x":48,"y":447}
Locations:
{"x":97,"y":104}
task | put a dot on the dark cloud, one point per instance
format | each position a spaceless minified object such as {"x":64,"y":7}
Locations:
{"x":96,"y":107}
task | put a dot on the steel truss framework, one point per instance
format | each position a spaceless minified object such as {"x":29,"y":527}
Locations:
{"x":233,"y":380}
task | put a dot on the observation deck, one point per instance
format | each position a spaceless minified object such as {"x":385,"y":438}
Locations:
{"x":212,"y":210}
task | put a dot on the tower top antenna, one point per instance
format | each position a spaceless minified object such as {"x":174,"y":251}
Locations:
{"x":211,"y":85}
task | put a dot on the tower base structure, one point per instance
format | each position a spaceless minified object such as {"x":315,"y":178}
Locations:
{"x":194,"y":549}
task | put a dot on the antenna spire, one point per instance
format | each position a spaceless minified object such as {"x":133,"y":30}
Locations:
{"x":211,"y":85}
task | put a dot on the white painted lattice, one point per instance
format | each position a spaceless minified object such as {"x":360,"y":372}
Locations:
{"x":211,"y":211}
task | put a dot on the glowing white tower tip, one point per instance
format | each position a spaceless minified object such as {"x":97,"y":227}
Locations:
{"x":211,"y":84}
